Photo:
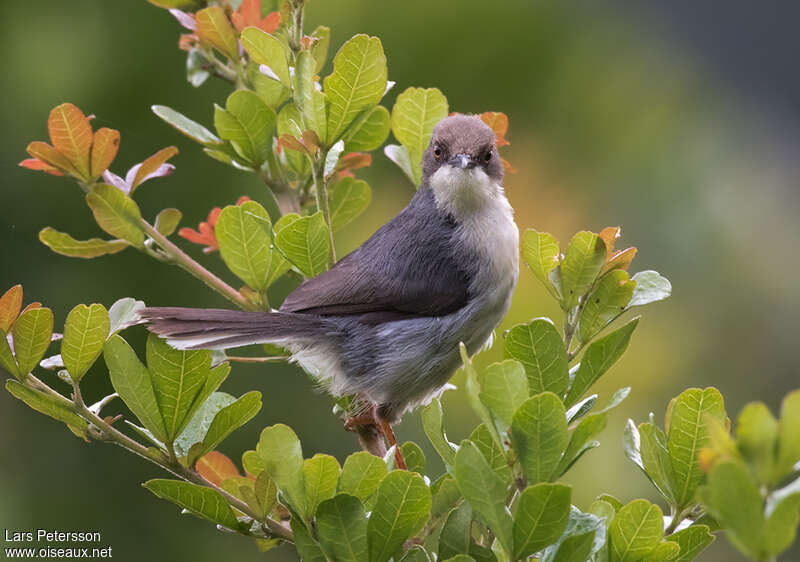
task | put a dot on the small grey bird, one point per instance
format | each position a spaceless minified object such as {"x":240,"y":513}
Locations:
{"x":385,"y":322}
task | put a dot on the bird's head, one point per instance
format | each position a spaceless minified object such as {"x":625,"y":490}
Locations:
{"x":461,"y":164}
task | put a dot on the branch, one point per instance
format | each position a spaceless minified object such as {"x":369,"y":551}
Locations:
{"x":185,"y":262}
{"x":106,"y":432}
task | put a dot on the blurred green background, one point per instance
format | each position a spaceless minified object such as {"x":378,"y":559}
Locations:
{"x":679,"y":122}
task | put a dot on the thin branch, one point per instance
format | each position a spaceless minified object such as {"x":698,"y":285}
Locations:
{"x":270,"y":359}
{"x":321,"y":192}
{"x":185,"y":262}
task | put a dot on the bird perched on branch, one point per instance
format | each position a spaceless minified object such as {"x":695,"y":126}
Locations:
{"x":386,"y":321}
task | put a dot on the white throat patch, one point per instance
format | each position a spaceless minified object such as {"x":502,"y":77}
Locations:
{"x":462,"y":191}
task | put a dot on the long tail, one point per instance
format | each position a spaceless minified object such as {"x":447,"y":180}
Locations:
{"x":212,"y":328}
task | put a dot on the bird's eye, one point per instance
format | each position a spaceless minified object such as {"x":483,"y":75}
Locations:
{"x":488,"y":156}
{"x":437,"y":152}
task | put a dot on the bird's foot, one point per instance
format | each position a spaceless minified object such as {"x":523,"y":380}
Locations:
{"x":373,"y":418}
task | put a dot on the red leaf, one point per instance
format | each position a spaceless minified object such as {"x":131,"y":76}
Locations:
{"x":498,"y":122}
{"x":290,"y":142}
{"x":216,"y":467}
{"x":241,"y":200}
{"x":71,"y":135}
{"x":104,"y":150}
{"x":249,"y":13}
{"x":151,"y":164}
{"x":10,"y":303}
{"x":187,"y":41}
{"x":311,"y":141}
{"x":36,"y":164}
{"x":49,"y":155}
{"x":271,"y":22}
{"x":621,"y":259}
{"x":354,"y":161}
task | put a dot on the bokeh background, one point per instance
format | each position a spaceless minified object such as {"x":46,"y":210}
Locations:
{"x":679,"y":121}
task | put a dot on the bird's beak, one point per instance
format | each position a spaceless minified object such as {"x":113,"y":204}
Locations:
{"x":462,"y":161}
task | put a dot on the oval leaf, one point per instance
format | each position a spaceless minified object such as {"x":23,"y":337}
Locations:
{"x":31,"y":332}
{"x":64,"y":244}
{"x":541,"y":517}
{"x":585,"y":257}
{"x":539,"y":436}
{"x":203,"y":502}
{"x":305,"y":242}
{"x":183,"y":124}
{"x":244,"y":236}
{"x":116,"y":213}
{"x":540,"y":349}
{"x":85,"y":332}
{"x":369,"y":130}
{"x":342,"y":529}
{"x":415,"y":113}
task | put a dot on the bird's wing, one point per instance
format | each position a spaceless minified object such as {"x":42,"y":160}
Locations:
{"x":405,"y":269}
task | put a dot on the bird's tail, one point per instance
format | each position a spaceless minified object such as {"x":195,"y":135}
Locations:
{"x":210,"y":328}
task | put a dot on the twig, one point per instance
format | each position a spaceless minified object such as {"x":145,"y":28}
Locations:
{"x":321,"y":192}
{"x":185,"y":262}
{"x":270,"y":359}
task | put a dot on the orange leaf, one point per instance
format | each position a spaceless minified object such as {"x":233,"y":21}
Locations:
{"x":271,"y":22}
{"x":104,"y":150}
{"x":216,"y":467}
{"x":71,"y":135}
{"x":311,"y":141}
{"x":152,"y":164}
{"x":290,"y":142}
{"x":249,"y":13}
{"x":498,"y":122}
{"x":354,"y":161}
{"x":621,"y":260}
{"x":10,"y":303}
{"x":609,"y":236}
{"x":36,"y":164}
{"x":49,"y":155}
{"x":32,"y":306}
{"x":214,"y":28}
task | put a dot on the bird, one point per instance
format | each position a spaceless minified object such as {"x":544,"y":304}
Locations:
{"x":386,"y":321}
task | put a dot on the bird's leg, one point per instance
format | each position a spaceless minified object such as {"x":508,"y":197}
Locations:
{"x":370,"y":424}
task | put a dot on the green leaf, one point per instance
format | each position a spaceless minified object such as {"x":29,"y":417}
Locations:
{"x":178,"y":376}
{"x":733,"y":498}
{"x":401,"y":509}
{"x":247,"y":122}
{"x":414,"y":457}
{"x":116,"y":213}
{"x":416,"y":554}
{"x":7,"y":360}
{"x":244,"y":233}
{"x":230,"y":418}
{"x":485,"y":491}
{"x":272,"y":92}
{"x":541,"y":252}
{"x":414,"y":115}
{"x":320,"y":477}
{"x":64,"y":244}
{"x":183,"y":124}
{"x":492,"y":452}
{"x":168,"y":220}
{"x":32,"y":332}
{"x":290,"y":123}
{"x":606,"y":302}
{"x":656,"y":459}
{"x":650,"y":287}
{"x":203,"y":502}
{"x":588,"y":428}
{"x":357,"y":82}
{"x":124,"y":313}
{"x":583,"y":261}
{"x":540,"y":349}
{"x":266,"y":49}
{"x":756,"y":437}
{"x":399,"y":155}
{"x":368,"y":131}
{"x":692,"y":540}
{"x":342,"y":529}
{"x":305,"y":242}
{"x":455,"y":536}
{"x":585,"y":534}
{"x":309,"y":100}
{"x":541,"y":517}
{"x":320,"y":49}
{"x":780,"y":529}
{"x":599,"y":358}
{"x":214,"y":28}
{"x":663,"y":552}
{"x":349,"y":198}
{"x":195,"y":431}
{"x":432,"y":424}
{"x":504,"y":387}
{"x":473,"y":395}
{"x":635,"y":531}
{"x":48,"y":405}
{"x":361,"y":475}
{"x":539,"y":436}
{"x":132,"y":382}
{"x":688,"y":433}
{"x":307,"y":547}
{"x":279,"y":449}
{"x":85,"y":332}
{"x":788,"y":435}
